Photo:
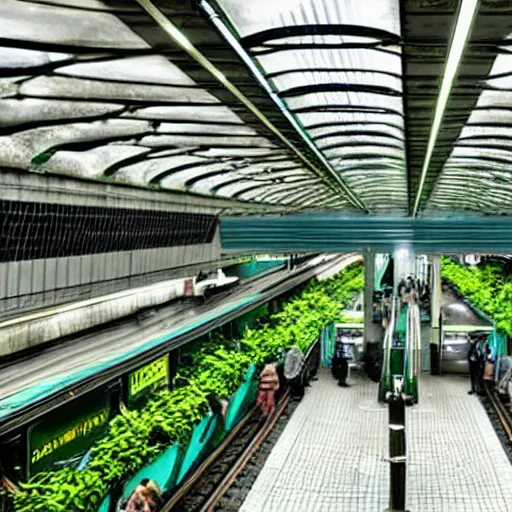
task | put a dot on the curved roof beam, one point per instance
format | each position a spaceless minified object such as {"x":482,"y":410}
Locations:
{"x":337,"y":87}
{"x":378,"y":46}
{"x":324,"y":29}
{"x":326,"y":124}
{"x":344,"y":107}
{"x":296,"y":186}
{"x":237,"y":194}
{"x":383,"y":135}
{"x":309,"y":197}
{"x":302,"y":71}
{"x":212,"y":174}
{"x":326,"y":173}
{"x":361,"y":144}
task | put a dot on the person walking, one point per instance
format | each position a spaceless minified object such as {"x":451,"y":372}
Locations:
{"x":475,"y":362}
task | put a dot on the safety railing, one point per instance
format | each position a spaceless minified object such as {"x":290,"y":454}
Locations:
{"x":385,"y":384}
{"x":412,"y":351}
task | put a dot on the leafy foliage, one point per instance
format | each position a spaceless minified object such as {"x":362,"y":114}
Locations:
{"x":135,"y":438}
{"x":486,"y":287}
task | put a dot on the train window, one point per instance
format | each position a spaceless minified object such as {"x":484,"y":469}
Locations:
{"x":12,"y":456}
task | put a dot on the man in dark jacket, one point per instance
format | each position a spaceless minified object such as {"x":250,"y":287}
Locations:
{"x":340,"y":361}
{"x":475,"y":363}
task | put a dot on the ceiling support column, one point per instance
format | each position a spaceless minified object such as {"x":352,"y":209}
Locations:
{"x":370,"y":329}
{"x":435,"y":315}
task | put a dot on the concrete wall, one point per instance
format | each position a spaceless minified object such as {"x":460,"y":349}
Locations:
{"x":32,"y":284}
{"x":28,"y":285}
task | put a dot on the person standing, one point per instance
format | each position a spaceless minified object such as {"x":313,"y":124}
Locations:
{"x":488,"y":364}
{"x":340,"y":361}
{"x":475,"y":363}
{"x":145,"y":498}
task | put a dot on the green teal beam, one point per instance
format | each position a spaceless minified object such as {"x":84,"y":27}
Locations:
{"x":338,"y":233}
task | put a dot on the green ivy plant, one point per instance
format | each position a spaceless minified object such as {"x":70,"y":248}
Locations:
{"x":136,"y":438}
{"x":486,"y":287}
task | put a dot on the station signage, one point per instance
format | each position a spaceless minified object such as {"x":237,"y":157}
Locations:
{"x":149,"y":376}
{"x":65,"y":435}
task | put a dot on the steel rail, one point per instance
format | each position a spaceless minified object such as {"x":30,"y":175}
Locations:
{"x":254,"y":445}
{"x":504,"y":416}
{"x":201,"y":470}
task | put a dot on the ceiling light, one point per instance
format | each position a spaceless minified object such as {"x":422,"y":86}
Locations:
{"x":466,"y":15}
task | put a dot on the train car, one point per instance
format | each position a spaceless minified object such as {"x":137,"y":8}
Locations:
{"x":204,"y":286}
{"x":455,"y":347}
{"x":352,"y":335}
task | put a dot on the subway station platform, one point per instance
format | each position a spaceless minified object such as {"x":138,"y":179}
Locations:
{"x":332,"y":454}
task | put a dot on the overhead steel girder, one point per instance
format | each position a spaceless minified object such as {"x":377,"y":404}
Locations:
{"x":336,"y":233}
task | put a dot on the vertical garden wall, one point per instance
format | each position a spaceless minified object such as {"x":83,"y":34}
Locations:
{"x":487,"y":287}
{"x":159,"y":430}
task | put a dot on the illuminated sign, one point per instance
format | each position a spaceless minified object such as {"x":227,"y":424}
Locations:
{"x":66,"y":434}
{"x":148,"y":376}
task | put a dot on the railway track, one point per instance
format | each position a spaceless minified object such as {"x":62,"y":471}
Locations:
{"x":245,"y":439}
{"x":501,"y":410}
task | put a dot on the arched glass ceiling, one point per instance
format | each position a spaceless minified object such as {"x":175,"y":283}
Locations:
{"x":478,"y":168}
{"x":338,"y":67}
{"x":85,"y":92}
{"x":96,"y":89}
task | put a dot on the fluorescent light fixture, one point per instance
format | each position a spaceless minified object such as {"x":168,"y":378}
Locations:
{"x":466,"y":15}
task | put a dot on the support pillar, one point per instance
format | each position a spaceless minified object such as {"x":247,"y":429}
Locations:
{"x":369,"y":285}
{"x":435,"y":314}
{"x":397,"y":453}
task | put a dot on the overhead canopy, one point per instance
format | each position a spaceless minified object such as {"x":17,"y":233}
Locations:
{"x":317,"y":104}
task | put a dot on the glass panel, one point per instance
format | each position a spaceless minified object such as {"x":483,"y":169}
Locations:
{"x":350,"y":99}
{"x":15,"y":112}
{"x":485,"y":131}
{"x":314,"y":39}
{"x":360,"y":58}
{"x":206,"y":129}
{"x":502,"y":65}
{"x":144,"y":172}
{"x":268,"y":154}
{"x":364,"y":151}
{"x":250,"y":18}
{"x":18,"y":150}
{"x":358,"y":139}
{"x":92,"y":163}
{"x":494,"y":99}
{"x":206,"y":184}
{"x":356,"y":128}
{"x":216,"y":113}
{"x":15,"y":58}
{"x":481,"y":152}
{"x":153,"y":69}
{"x":234,"y":188}
{"x":197,"y":140}
{"x":62,"y":87}
{"x":60,"y":25}
{"x":273,"y":191}
{"x":314,"y":118}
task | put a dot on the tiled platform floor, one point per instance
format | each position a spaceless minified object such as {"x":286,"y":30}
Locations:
{"x":456,"y":462}
{"x":332,"y":454}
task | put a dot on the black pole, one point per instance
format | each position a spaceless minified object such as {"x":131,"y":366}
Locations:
{"x":397,"y":451}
